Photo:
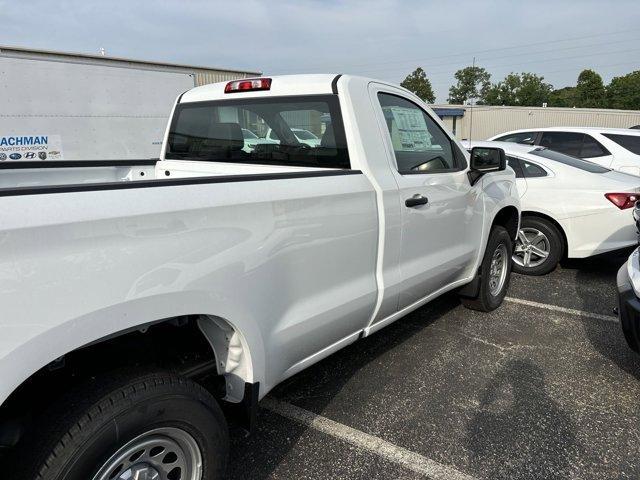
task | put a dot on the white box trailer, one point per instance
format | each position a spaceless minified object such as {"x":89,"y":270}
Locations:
{"x":83,"y":110}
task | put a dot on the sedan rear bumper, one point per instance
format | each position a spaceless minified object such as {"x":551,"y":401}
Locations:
{"x":590,"y":235}
{"x":628,"y":309}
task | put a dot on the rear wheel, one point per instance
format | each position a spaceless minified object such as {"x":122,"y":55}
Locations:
{"x":158,"y":426}
{"x":539,"y":247}
{"x":495,"y":272}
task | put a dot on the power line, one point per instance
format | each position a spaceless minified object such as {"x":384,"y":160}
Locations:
{"x":545,"y":60}
{"x":448,"y":72}
{"x":477,"y":51}
{"x":431,"y":72}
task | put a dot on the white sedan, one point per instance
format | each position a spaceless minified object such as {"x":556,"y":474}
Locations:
{"x":251,"y":140}
{"x":303,"y":136}
{"x":570,"y":207}
{"x":616,"y":148}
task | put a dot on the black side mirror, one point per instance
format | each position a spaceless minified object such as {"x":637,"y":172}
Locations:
{"x":485,"y":160}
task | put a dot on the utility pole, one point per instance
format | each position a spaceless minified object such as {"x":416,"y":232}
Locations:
{"x":473,"y":66}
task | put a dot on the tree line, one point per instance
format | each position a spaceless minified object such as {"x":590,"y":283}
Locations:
{"x":529,"y":89}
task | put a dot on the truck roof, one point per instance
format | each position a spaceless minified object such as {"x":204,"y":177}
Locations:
{"x":281,"y":85}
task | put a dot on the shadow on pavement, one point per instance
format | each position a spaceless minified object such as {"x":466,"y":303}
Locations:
{"x":260,"y":454}
{"x":518,"y":421}
{"x":606,"y":337}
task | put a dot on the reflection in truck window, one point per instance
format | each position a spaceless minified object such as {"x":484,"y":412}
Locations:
{"x":291,"y":131}
{"x":419,"y":144}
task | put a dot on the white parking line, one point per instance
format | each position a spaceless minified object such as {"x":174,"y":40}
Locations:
{"x":570,"y":311}
{"x":393,"y":453}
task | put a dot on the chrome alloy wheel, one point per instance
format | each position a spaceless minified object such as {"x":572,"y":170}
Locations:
{"x":498,"y":270}
{"x":165,"y":453}
{"x":532,"y":248}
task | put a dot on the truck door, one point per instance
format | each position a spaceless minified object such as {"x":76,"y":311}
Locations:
{"x":441,"y":212}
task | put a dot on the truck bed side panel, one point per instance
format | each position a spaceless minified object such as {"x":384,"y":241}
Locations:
{"x":290,"y":263}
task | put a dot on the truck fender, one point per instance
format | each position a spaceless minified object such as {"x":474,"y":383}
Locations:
{"x":243,"y":358}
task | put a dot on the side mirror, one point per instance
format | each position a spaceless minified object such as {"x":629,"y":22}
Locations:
{"x":485,"y":160}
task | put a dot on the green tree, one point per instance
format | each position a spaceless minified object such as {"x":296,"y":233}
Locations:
{"x":624,"y":92}
{"x":563,"y":97}
{"x":504,"y":92}
{"x":533,"y":90}
{"x":472,"y":82}
{"x":418,"y":83}
{"x":526,"y":89}
{"x":590,"y":90}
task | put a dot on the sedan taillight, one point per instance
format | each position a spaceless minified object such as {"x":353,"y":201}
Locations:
{"x":622,"y":200}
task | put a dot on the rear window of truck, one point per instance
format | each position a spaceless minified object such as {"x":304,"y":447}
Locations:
{"x":213,"y":131}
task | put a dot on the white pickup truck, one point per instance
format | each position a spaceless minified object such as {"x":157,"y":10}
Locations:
{"x":141,"y":299}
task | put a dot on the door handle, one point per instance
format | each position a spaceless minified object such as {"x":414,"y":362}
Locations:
{"x":416,"y":200}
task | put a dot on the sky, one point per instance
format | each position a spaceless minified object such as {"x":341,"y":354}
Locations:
{"x":384,"y":39}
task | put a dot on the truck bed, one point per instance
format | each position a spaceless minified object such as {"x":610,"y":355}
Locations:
{"x":22,"y":175}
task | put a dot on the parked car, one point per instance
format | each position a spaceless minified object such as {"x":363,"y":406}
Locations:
{"x":628,"y":283}
{"x":616,"y":148}
{"x":251,"y":140}
{"x":138,"y":296}
{"x":303,"y":136}
{"x":570,"y":207}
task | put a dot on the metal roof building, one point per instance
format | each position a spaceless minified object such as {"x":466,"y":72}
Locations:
{"x":202,"y":75}
{"x":483,"y":121}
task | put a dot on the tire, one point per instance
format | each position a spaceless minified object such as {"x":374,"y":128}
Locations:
{"x":120,"y":417}
{"x":490,"y":298}
{"x":550,"y":242}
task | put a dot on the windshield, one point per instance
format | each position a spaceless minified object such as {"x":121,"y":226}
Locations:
{"x":568,"y":160}
{"x":305,"y":135}
{"x":213,"y":131}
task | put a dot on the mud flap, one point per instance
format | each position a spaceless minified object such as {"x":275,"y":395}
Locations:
{"x":471,"y":289}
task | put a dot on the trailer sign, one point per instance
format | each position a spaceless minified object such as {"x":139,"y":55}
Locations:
{"x":31,"y":147}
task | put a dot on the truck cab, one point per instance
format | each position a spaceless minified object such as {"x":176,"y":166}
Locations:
{"x":212,"y":274}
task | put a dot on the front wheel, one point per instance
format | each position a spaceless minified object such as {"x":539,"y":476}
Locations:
{"x":153,"y":426}
{"x":495,"y":272}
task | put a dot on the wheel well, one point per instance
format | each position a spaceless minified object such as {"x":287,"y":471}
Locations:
{"x":565,"y":243}
{"x":508,"y":218}
{"x":206,"y":349}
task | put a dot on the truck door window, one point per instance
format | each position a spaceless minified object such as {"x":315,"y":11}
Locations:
{"x":419,"y":144}
{"x":291,"y":131}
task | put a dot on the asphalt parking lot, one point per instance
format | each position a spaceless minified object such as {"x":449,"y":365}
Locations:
{"x":545,"y":387}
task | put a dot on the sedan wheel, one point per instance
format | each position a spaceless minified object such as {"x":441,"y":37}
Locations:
{"x":538,"y":248}
{"x":532,"y":248}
